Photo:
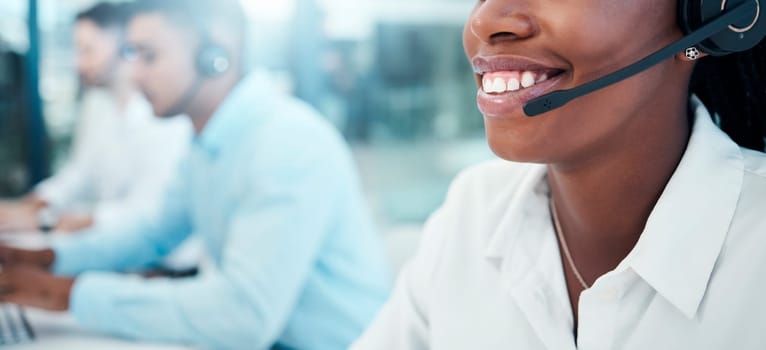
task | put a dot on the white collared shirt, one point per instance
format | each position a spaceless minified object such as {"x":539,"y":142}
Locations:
{"x":488,"y":274}
{"x":121,"y":160}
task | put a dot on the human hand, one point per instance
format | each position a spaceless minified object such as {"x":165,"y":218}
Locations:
{"x":33,"y":286}
{"x":74,"y":222}
{"x":16,"y":217}
{"x":10,"y":256}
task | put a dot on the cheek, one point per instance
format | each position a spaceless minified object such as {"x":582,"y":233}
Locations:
{"x":102,"y":61}
{"x":169,"y":78}
{"x":83,"y":62}
{"x":86,"y":58}
{"x":593,"y":48}
{"x":103,"y":52}
{"x":176,"y":65}
{"x":604,"y":35}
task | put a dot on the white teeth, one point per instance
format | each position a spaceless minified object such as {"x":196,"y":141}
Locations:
{"x":498,"y":85}
{"x":516,"y":82}
{"x":513,"y":84}
{"x":527,"y":79}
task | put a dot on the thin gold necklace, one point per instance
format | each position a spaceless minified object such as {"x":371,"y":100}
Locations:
{"x":565,"y":247}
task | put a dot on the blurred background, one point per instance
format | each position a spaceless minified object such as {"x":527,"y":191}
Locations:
{"x":389,"y":74}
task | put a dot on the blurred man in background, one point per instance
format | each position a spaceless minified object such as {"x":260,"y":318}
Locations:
{"x":269,"y":186}
{"x":122,"y":157}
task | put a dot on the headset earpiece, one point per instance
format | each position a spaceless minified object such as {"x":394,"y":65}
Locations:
{"x":212,"y":60}
{"x":740,"y":36}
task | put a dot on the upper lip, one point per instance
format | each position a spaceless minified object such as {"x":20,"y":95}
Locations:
{"x":482,"y":64}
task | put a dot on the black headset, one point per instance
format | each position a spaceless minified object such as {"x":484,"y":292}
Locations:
{"x":740,"y":35}
{"x":210,"y":61}
{"x":716,"y":27}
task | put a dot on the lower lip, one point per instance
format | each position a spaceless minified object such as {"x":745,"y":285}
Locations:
{"x":509,"y":103}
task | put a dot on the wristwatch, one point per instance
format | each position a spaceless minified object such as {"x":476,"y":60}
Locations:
{"x":46,"y":219}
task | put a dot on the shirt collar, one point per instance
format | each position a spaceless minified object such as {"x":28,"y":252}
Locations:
{"x":685,"y":232}
{"x":241,"y":108}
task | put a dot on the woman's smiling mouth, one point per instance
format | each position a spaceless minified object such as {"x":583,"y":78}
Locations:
{"x":506,"y":83}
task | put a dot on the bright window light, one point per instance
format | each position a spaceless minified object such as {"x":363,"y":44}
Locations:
{"x":269,"y":10}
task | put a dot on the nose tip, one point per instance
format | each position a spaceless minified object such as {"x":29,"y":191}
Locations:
{"x":497,"y":21}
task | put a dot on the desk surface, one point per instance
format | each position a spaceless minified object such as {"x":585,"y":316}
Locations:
{"x":60,"y":331}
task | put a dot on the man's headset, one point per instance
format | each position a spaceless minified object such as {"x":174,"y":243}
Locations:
{"x":211,"y":60}
{"x":717,"y":27}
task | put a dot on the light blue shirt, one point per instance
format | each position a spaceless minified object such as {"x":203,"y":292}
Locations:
{"x":272,"y":190}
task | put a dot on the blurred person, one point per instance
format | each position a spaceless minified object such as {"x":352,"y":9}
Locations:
{"x":122,"y":156}
{"x":269,"y":186}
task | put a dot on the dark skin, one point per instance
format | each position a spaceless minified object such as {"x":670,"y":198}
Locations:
{"x":25,"y":279}
{"x":164,"y":70}
{"x":611,"y":153}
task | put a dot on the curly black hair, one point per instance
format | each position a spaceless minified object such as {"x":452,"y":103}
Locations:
{"x":733,"y":87}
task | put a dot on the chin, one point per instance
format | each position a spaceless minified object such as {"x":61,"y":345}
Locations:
{"x":165,"y":115}
{"x":514,"y":154}
{"x":160,"y":112}
{"x":514,"y":147}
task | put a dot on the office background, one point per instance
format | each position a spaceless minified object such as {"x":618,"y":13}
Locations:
{"x":389,"y":74}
